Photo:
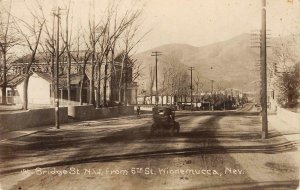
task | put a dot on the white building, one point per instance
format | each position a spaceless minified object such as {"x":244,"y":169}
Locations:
{"x":39,"y":89}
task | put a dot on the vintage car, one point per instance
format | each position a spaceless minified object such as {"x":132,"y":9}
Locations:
{"x":164,"y":120}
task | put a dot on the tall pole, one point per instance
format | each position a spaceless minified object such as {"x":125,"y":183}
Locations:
{"x":52,"y":62}
{"x":212,"y":83}
{"x":57,"y":73}
{"x":212,"y":86}
{"x":156,"y":54}
{"x":263,"y":73}
{"x":191,"y":69}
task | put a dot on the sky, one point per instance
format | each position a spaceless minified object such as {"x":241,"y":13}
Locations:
{"x":194,"y":22}
{"x":201,"y":22}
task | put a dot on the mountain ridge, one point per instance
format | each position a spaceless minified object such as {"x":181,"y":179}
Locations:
{"x":232,"y":63}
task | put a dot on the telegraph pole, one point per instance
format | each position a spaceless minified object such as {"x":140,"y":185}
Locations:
{"x":52,"y":61}
{"x":212,"y":86}
{"x":156,"y":54}
{"x":57,"y":71}
{"x":263,"y":73}
{"x":191,"y":69}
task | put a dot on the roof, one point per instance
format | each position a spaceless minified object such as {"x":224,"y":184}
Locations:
{"x":45,"y":76}
{"x":13,"y":80}
{"x":17,"y":79}
{"x":74,"y":79}
{"x":120,"y":57}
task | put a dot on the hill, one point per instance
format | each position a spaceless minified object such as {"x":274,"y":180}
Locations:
{"x":229,"y":62}
{"x":232,"y":63}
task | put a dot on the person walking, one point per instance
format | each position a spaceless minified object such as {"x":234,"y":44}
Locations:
{"x":138,"y":111}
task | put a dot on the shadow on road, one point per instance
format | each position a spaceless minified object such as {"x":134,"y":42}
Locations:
{"x":292,"y":184}
{"x":134,"y":143}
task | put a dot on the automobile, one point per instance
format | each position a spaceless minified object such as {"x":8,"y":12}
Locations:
{"x":114,"y":104}
{"x":164,"y":120}
{"x":257,"y":105}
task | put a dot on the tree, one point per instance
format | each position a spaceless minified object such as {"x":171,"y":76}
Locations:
{"x":288,"y":84}
{"x":48,"y":49}
{"x":31,"y":34}
{"x":285,"y":69}
{"x":79,"y":58}
{"x":130,"y":41}
{"x":67,"y":41}
{"x":177,"y":74}
{"x":98,"y":35}
{"x":126,"y":27}
{"x":198,"y":84}
{"x":151,"y":82}
{"x":8,"y":39}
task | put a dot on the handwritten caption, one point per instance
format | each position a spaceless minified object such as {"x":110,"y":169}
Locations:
{"x":133,"y":171}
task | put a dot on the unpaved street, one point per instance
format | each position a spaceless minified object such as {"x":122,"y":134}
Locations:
{"x":217,"y":150}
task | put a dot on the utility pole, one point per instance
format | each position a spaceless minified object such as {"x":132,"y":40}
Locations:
{"x":156,"y":54}
{"x":212,"y":83}
{"x":52,"y":61}
{"x":191,"y":69}
{"x":212,"y":86}
{"x":263,"y":73}
{"x":57,"y":71}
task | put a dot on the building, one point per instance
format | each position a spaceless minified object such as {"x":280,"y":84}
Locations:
{"x":40,"y":90}
{"x":40,"y":83}
{"x":12,"y":95}
{"x":117,"y":87}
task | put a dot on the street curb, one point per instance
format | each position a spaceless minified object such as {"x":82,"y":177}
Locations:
{"x":25,"y":132}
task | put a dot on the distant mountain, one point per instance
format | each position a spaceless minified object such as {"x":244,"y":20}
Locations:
{"x":232,"y":63}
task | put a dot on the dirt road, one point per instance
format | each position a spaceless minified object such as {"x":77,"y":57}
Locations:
{"x":219,"y":150}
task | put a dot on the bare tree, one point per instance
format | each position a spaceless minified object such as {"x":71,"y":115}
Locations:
{"x":8,"y":39}
{"x":31,"y":34}
{"x":81,"y":61}
{"x":288,"y":84}
{"x":177,"y":73}
{"x":197,"y":83}
{"x":130,"y":41}
{"x":48,"y":46}
{"x":96,"y":32}
{"x":48,"y":49}
{"x":285,"y":69}
{"x":151,"y":82}
{"x":67,"y":41}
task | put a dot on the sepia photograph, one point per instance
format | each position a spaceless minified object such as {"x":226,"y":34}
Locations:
{"x":149,"y":94}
